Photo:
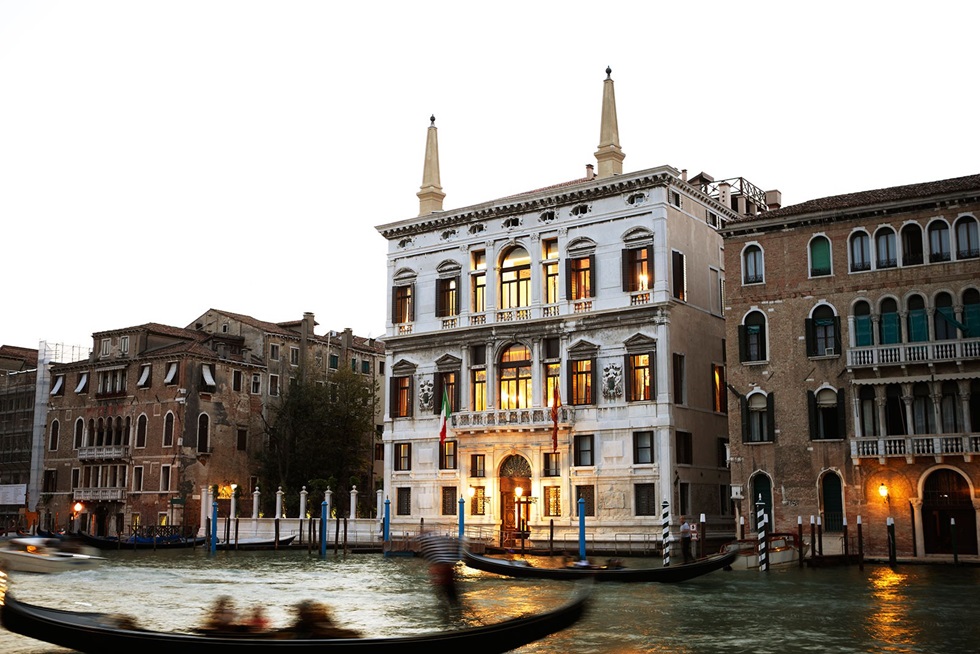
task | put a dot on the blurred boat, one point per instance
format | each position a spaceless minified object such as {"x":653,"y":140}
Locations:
{"x":140,"y":542}
{"x":255,"y":543}
{"x":782,"y":550}
{"x":47,"y":555}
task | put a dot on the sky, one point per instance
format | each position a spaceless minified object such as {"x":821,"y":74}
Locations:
{"x":158,"y":159}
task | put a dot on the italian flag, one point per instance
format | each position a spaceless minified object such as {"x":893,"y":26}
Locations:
{"x":444,"y":417}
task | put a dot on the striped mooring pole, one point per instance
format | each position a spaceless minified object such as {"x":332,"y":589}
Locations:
{"x":760,"y":524}
{"x":665,"y":538}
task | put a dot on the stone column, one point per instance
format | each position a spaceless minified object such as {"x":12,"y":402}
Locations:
{"x":920,"y":546}
{"x":352,"y":513}
{"x":279,"y":495}
{"x":302,"y":503}
{"x":255,"y":503}
{"x":491,"y":368}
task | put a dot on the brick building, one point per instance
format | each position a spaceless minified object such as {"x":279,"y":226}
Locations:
{"x":577,"y":335}
{"x":139,"y":432}
{"x":18,"y":378}
{"x":854,"y":357}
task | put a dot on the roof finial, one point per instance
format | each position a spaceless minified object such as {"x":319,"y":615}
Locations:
{"x":432,"y":120}
{"x":608,"y":72}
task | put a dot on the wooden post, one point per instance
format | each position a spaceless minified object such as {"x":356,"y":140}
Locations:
{"x":860,"y":545}
{"x":892,"y":551}
{"x":952,"y":535}
{"x":846,"y":550}
{"x":551,"y":537}
{"x":799,"y":537}
{"x":813,"y":538}
{"x":820,"y":535}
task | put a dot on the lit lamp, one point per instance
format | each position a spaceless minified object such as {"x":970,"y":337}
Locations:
{"x":883,"y":491}
{"x":74,"y":517}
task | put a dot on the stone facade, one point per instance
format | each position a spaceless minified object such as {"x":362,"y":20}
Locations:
{"x":854,"y":355}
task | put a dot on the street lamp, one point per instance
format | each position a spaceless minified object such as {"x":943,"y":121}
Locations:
{"x":883,"y":491}
{"x":74,"y":516}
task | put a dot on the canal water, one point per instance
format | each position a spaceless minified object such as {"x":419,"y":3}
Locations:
{"x":912,"y":608}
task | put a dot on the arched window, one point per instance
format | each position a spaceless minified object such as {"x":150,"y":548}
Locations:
{"x":203,"y":436}
{"x":885,"y":252}
{"x":923,"y":417}
{"x":515,"y":279}
{"x":168,"y":430}
{"x":753,"y":268}
{"x":863,"y":334}
{"x":944,"y":322}
{"x":912,"y":245}
{"x":752,"y":337}
{"x":869,"y":412}
{"x":949,"y":408}
{"x":823,"y":332}
{"x":55,"y":432}
{"x":889,"y":325}
{"x":820,"y":262}
{"x":938,"y":241}
{"x":826,"y":411}
{"x":967,"y":245}
{"x":79,"y":433}
{"x":141,"y":431}
{"x":757,"y":418}
{"x":918,"y":320}
{"x":971,"y":313}
{"x":860,"y":252}
{"x":515,"y":377}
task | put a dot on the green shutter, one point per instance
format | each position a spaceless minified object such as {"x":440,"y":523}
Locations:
{"x":819,"y":256}
{"x":918,"y":326}
{"x":862,"y":331}
{"x":971,"y":315}
{"x":811,"y":408}
{"x":890,"y":328}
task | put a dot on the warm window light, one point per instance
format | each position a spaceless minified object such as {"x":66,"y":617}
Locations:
{"x":643,"y":282}
{"x":471,"y":492}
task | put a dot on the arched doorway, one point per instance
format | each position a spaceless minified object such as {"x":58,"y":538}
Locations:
{"x":832,"y":502}
{"x":761,"y":491}
{"x":515,"y":472}
{"x":946,"y":496}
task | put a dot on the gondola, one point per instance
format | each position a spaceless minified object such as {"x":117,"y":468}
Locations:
{"x":140,"y":542}
{"x":99,"y":633}
{"x":670,"y":574}
{"x":255,"y":543}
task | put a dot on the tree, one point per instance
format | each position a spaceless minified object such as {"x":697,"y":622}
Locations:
{"x":322,"y":431}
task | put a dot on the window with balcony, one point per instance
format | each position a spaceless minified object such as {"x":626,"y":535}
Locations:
{"x":938,"y":241}
{"x":820,"y":260}
{"x":639,"y":377}
{"x":515,"y":279}
{"x":886,"y":255}
{"x":863,"y":328}
{"x":515,"y":377}
{"x":446,"y":381}
{"x":478,"y":388}
{"x":582,"y":378}
{"x":923,"y":412}
{"x":752,"y":337}
{"x":967,"y":244}
{"x":917,"y":320}
{"x":549,"y":269}
{"x":860,"y":252}
{"x":889,"y":322}
{"x":758,"y":425}
{"x":403,"y":456}
{"x":112,"y":382}
{"x":642,"y":447}
{"x":637,"y":268}
{"x":944,"y":323}
{"x":950,"y":408}
{"x":826,"y":414}
{"x":971,"y":314}
{"x":753,"y":268}
{"x":447,"y":297}
{"x":580,"y":275}
{"x":447,"y":455}
{"x":478,"y":281}
{"x":912,"y":245}
{"x":403,"y":309}
{"x":868,"y":411}
{"x":823,"y":332}
{"x":583,"y":450}
{"x":645,"y":496}
{"x":401,"y":397}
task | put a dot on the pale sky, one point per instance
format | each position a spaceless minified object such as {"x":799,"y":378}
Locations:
{"x":161,"y":158}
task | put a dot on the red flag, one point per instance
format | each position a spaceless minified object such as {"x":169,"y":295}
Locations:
{"x":444,"y":417}
{"x":554,"y":417}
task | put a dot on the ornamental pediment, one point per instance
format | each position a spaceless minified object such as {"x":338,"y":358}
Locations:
{"x":403,"y":368}
{"x":448,"y":362}
{"x":583,"y":349}
{"x":640,"y":342}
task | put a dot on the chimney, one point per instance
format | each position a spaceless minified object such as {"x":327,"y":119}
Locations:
{"x":684,"y":175}
{"x":589,"y":172}
{"x":774,"y":200}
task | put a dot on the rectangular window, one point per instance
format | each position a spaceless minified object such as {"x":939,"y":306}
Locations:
{"x":679,"y":276}
{"x":478,"y":465}
{"x":294,"y":356}
{"x":404,"y":501}
{"x":550,"y":270}
{"x":171,"y":377}
{"x":588,"y":494}
{"x":478,"y":500}
{"x":646,"y":499}
{"x":675,"y":199}
{"x":401,"y":397}
{"x":680,"y":380}
{"x":642,"y":447}
{"x":552,"y":501}
{"x":719,"y":389}
{"x":636,"y":269}
{"x":145,"y":378}
{"x":403,"y":456}
{"x":365,"y":367}
{"x":478,"y":281}
{"x":106,"y":346}
{"x":639,"y":377}
{"x":165,"y":478}
{"x":402,"y":306}
{"x":722,"y":452}
{"x":334,"y":361}
{"x":274,"y":351}
{"x":124,"y":344}
{"x":447,"y":297}
{"x":236,"y":380}
{"x":552,"y":464}
{"x":256,"y":383}
{"x":58,"y":388}
{"x":446,"y":381}
{"x":582,"y":374}
{"x":82,"y":386}
{"x":447,"y":455}
{"x":242,"y":440}
{"x":75,"y":477}
{"x":583,"y":450}
{"x":138,"y":478}
{"x":580,"y":277}
{"x":449,"y":500}
{"x":479,"y":385}
{"x":685,"y":448}
{"x":274,"y":385}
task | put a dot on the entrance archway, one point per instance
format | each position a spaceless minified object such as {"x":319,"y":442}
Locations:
{"x":761,"y":488}
{"x":515,"y":472}
{"x":832,"y":502}
{"x":946,"y":496}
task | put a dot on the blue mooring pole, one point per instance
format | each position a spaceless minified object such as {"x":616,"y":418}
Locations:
{"x":462,"y":506}
{"x":323,"y":529}
{"x":581,"y":528}
{"x":214,"y":526}
{"x":387,"y":525}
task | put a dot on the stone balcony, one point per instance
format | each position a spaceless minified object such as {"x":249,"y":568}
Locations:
{"x":901,"y":354}
{"x":103,"y":452}
{"x":512,"y":419}
{"x":99,"y":494}
{"x":934,"y":446}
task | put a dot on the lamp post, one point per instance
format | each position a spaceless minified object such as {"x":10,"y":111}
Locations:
{"x":74,"y":516}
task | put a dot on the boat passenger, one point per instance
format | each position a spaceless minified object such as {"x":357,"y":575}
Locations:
{"x":222,"y":616}
{"x":256,"y":621}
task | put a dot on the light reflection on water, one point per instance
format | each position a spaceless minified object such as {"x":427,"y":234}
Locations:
{"x":913,"y":609}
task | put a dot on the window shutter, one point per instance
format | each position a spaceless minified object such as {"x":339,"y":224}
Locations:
{"x":440,"y":298}
{"x":811,"y":407}
{"x":568,"y":384}
{"x":457,"y":293}
{"x":395,"y":318}
{"x":568,"y":279}
{"x":629,"y":377}
{"x":811,"y":347}
{"x":410,"y":409}
{"x":627,"y":271}
{"x":744,"y":406}
{"x":837,"y":347}
{"x":393,"y":397}
{"x":437,"y":398}
{"x":770,"y":416}
{"x":593,"y":394}
{"x":841,"y":418}
{"x":411,"y":303}
{"x":593,"y":278}
{"x":743,"y":344}
{"x":862,"y":329}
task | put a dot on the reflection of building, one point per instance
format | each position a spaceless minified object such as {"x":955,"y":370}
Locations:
{"x":606,"y":291}
{"x":854,"y":349}
{"x":140,"y":431}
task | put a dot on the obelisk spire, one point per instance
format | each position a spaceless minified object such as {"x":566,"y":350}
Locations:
{"x":609,"y":155}
{"x":430,"y":193}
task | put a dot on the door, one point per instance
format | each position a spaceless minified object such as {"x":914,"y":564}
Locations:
{"x":945,"y":498}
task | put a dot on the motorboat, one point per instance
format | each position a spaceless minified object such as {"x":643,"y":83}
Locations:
{"x":781,"y":550}
{"x":46,"y":555}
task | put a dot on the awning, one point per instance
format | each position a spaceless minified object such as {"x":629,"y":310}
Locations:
{"x":144,"y":376}
{"x":58,"y":383}
{"x":171,"y":373}
{"x":82,"y":382}
{"x":208,"y":377}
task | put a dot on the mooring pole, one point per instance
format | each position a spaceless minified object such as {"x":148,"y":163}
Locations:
{"x":799,"y":537}
{"x":846,"y":550}
{"x":665,"y":538}
{"x":952,"y":535}
{"x":760,"y":526}
{"x":860,"y":544}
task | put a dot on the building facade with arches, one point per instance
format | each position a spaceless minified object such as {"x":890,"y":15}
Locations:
{"x":575,"y":334}
{"x":854,"y":363}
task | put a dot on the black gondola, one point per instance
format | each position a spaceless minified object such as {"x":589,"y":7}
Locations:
{"x":141,"y":542}
{"x":99,"y":633}
{"x":670,"y":574}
